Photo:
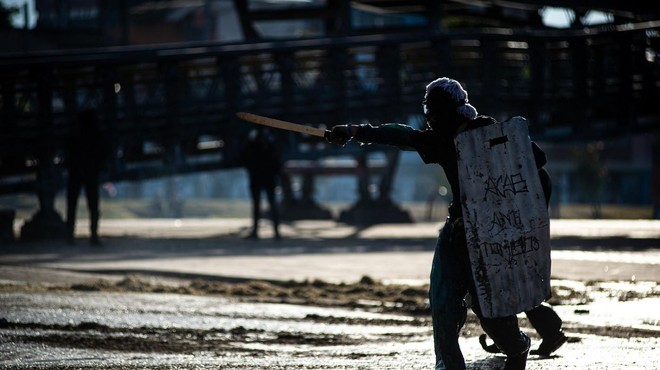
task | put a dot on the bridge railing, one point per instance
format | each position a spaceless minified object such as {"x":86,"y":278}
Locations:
{"x":170,"y":109}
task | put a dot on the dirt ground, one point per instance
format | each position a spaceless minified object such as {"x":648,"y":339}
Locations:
{"x":63,"y":308}
{"x":395,"y":306}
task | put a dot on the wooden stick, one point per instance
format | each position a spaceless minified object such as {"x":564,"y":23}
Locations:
{"x":284,"y":125}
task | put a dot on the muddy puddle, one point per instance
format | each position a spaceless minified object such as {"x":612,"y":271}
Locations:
{"x":136,"y":323}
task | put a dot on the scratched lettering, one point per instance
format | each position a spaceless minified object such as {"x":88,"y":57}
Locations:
{"x":509,"y":250}
{"x":505,"y":185}
{"x":501,"y":221}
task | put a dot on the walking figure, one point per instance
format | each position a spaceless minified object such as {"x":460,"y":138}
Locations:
{"x":448,"y":113}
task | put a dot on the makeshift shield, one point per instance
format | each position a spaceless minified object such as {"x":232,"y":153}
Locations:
{"x":505,"y":217}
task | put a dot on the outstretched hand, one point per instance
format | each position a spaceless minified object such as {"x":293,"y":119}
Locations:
{"x":339,"y":135}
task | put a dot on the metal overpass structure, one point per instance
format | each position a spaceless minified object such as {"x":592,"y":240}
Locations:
{"x":170,"y":109}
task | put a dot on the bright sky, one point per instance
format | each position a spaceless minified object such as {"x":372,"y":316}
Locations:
{"x":19,"y":19}
{"x":553,"y":17}
{"x":561,"y":17}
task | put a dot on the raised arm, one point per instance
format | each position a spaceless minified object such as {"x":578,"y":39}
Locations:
{"x":401,"y":136}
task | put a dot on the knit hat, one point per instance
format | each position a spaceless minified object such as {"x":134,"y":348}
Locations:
{"x":445,"y":93}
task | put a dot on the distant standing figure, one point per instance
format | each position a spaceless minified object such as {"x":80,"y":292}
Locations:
{"x":263,"y":163}
{"x":85,"y":162}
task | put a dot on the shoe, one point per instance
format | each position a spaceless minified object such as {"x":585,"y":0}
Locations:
{"x":518,"y":362}
{"x":492,"y":348}
{"x":549,"y":345}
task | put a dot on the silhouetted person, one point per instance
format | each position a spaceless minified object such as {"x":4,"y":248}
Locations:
{"x":263,"y":163}
{"x":85,"y":161}
{"x":447,"y":113}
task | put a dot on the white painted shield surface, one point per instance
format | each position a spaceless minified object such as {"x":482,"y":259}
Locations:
{"x":505,"y":216}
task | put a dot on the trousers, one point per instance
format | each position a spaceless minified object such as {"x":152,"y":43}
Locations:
{"x":255,"y":192}
{"x":74,"y":187}
{"x":450,"y":281}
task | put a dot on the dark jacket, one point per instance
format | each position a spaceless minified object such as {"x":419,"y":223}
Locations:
{"x":262,"y":160}
{"x":434,"y":148}
{"x":86,"y":149}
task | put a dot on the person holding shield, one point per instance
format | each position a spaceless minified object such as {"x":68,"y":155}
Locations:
{"x":447,"y":113}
